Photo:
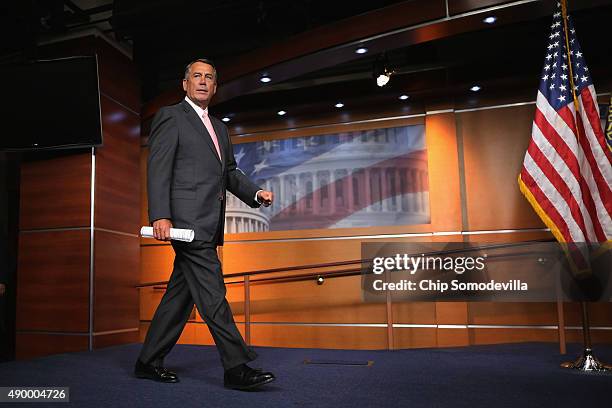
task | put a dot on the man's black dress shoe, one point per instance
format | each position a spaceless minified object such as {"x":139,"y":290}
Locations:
{"x":150,"y":372}
{"x":244,"y":377}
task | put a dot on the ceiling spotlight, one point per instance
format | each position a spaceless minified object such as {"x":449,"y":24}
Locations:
{"x":226,"y":119}
{"x":475,"y":88}
{"x":281,"y":112}
{"x":490,"y":20}
{"x":265,"y":79}
{"x":381,"y":70}
{"x":361,"y":50}
{"x":320,"y":280}
{"x":339,"y":105}
{"x":383,"y":79}
{"x":403,"y":97}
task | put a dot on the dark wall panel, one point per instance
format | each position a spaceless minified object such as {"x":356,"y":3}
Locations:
{"x":31,"y":345}
{"x":55,"y":193}
{"x":118,"y":170}
{"x":116,"y":275}
{"x":114,"y":339}
{"x":53,"y":279}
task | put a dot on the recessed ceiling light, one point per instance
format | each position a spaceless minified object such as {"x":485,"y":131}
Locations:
{"x":403,"y":97}
{"x":226,"y":119}
{"x":281,"y":112}
{"x":475,"y":88}
{"x":361,"y":50}
{"x":339,"y":105}
{"x":490,"y":20}
{"x":265,"y":79}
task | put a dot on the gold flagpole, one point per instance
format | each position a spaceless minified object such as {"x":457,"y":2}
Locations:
{"x":567,"y":53}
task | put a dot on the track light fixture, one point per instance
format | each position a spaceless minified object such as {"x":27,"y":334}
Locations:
{"x":382,"y":71}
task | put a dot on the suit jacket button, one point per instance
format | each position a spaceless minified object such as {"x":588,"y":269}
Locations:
{"x":220,"y":197}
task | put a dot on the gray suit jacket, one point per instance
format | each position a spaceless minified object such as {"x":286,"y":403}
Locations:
{"x":186,"y":181}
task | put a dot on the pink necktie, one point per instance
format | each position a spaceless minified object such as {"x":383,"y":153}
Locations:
{"x":211,"y":132}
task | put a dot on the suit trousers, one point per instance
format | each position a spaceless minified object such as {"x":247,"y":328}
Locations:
{"x":196,"y":278}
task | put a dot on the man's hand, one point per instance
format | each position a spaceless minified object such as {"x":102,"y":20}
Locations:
{"x":2,"y":289}
{"x":265,"y":197}
{"x":161,"y":229}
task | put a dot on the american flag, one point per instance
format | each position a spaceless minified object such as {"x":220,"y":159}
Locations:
{"x":358,"y":178}
{"x":567,"y":172}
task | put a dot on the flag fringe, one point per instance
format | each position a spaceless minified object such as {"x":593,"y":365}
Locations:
{"x":541,"y":213}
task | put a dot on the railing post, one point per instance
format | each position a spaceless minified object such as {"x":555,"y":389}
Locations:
{"x":247,"y":310}
{"x":390,"y":345}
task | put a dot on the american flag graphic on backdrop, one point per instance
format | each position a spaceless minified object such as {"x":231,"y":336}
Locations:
{"x":567,"y":172}
{"x":351,"y":179}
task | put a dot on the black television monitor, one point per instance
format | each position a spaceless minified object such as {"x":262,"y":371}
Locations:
{"x":50,"y":104}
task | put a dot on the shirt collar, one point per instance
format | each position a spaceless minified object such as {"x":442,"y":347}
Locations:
{"x":198,"y":110}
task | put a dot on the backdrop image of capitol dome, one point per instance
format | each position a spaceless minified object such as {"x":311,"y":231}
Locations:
{"x":352,"y":179}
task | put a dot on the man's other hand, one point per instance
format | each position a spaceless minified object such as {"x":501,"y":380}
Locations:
{"x":161,"y":229}
{"x":265,"y":197}
{"x":2,"y":289}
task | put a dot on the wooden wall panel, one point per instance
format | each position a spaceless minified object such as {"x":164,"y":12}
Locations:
{"x":144,"y":214}
{"x":417,"y":337}
{"x":520,"y":335}
{"x":156,"y":262}
{"x":452,"y":337}
{"x":116,"y":275}
{"x":53,"y":281}
{"x":29,"y":345}
{"x":368,"y":338}
{"x":337,"y":300}
{"x":600,"y":314}
{"x":520,"y":313}
{"x":115,"y":339}
{"x":597,"y":337}
{"x":414,"y":312}
{"x":444,"y":197}
{"x":117,"y":170}
{"x":512,"y":335}
{"x":495,"y":142}
{"x":55,"y":193}
{"x":149,"y":300}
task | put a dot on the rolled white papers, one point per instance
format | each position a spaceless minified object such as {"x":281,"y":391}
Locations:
{"x":178,"y":234}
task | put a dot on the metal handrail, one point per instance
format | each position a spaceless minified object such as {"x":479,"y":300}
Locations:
{"x":331,"y":274}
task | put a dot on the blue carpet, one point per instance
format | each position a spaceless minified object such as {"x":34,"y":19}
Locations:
{"x":510,"y":375}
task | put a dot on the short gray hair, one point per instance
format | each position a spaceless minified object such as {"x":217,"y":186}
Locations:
{"x":203,"y":60}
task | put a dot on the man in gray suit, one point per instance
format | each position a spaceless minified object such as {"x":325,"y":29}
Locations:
{"x":191,"y":165}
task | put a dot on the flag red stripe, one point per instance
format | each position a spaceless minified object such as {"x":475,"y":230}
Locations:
{"x":591,"y":112}
{"x":602,"y":184}
{"x":558,"y":143}
{"x":568,"y":117}
{"x":570,"y":160}
{"x":559,"y":183}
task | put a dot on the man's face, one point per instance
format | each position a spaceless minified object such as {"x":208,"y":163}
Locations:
{"x":201,"y":84}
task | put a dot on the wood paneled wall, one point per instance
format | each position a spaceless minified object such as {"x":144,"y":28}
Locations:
{"x":55,"y":308}
{"x":474,"y":157}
